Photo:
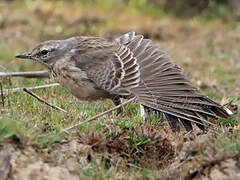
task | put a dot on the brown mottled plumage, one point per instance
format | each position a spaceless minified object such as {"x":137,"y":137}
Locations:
{"x":92,"y":68}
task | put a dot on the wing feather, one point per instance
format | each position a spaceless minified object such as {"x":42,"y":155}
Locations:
{"x":163,"y":86}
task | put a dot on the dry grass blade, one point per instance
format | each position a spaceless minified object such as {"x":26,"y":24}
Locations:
{"x":8,"y":91}
{"x":42,"y":100}
{"x":29,"y":74}
{"x":99,"y":115}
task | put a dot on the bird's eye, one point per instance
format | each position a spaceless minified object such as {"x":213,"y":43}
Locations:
{"x":44,"y":52}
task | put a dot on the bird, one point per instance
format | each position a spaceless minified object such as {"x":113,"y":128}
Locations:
{"x":129,"y":66}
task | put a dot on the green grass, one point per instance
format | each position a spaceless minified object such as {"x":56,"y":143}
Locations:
{"x":39,"y":125}
{"x":6,"y":54}
{"x":231,"y":121}
{"x":43,"y":141}
{"x":229,"y":142}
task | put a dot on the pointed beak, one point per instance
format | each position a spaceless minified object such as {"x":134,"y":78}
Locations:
{"x":24,"y":56}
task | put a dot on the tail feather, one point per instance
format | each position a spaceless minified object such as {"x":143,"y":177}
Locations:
{"x":178,"y":113}
{"x":173,"y":122}
{"x":202,"y":116}
{"x":187,"y":124}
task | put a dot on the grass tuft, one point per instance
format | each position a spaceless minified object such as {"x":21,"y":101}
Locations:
{"x":10,"y":130}
{"x":43,"y":141}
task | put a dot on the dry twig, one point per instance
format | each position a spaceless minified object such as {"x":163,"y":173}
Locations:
{"x":29,"y":74}
{"x":97,"y":116}
{"x":2,"y":67}
{"x":42,"y":100}
{"x":14,"y":90}
{"x":2,"y":95}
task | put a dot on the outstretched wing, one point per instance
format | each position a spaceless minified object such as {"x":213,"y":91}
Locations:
{"x":117,"y":72}
{"x":164,"y":88}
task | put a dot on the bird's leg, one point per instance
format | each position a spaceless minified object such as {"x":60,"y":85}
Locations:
{"x":146,"y":112}
{"x":142,"y":112}
{"x":117,"y":101}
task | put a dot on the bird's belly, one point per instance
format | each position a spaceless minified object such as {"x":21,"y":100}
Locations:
{"x":83,"y":91}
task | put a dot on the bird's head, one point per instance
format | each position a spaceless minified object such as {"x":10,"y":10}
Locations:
{"x":48,"y":52}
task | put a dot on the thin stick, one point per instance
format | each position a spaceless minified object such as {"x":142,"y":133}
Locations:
{"x":8,"y":91}
{"x":2,"y":96}
{"x":97,"y":116}
{"x":42,"y":100}
{"x":2,"y":67}
{"x":29,"y":74}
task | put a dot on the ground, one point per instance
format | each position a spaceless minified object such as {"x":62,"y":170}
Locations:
{"x":115,"y":147}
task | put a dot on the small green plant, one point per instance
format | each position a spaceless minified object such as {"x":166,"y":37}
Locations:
{"x":145,"y":174}
{"x":231,"y":121}
{"x":10,"y":129}
{"x":136,"y":140}
{"x":230,"y":142}
{"x":48,"y":139}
